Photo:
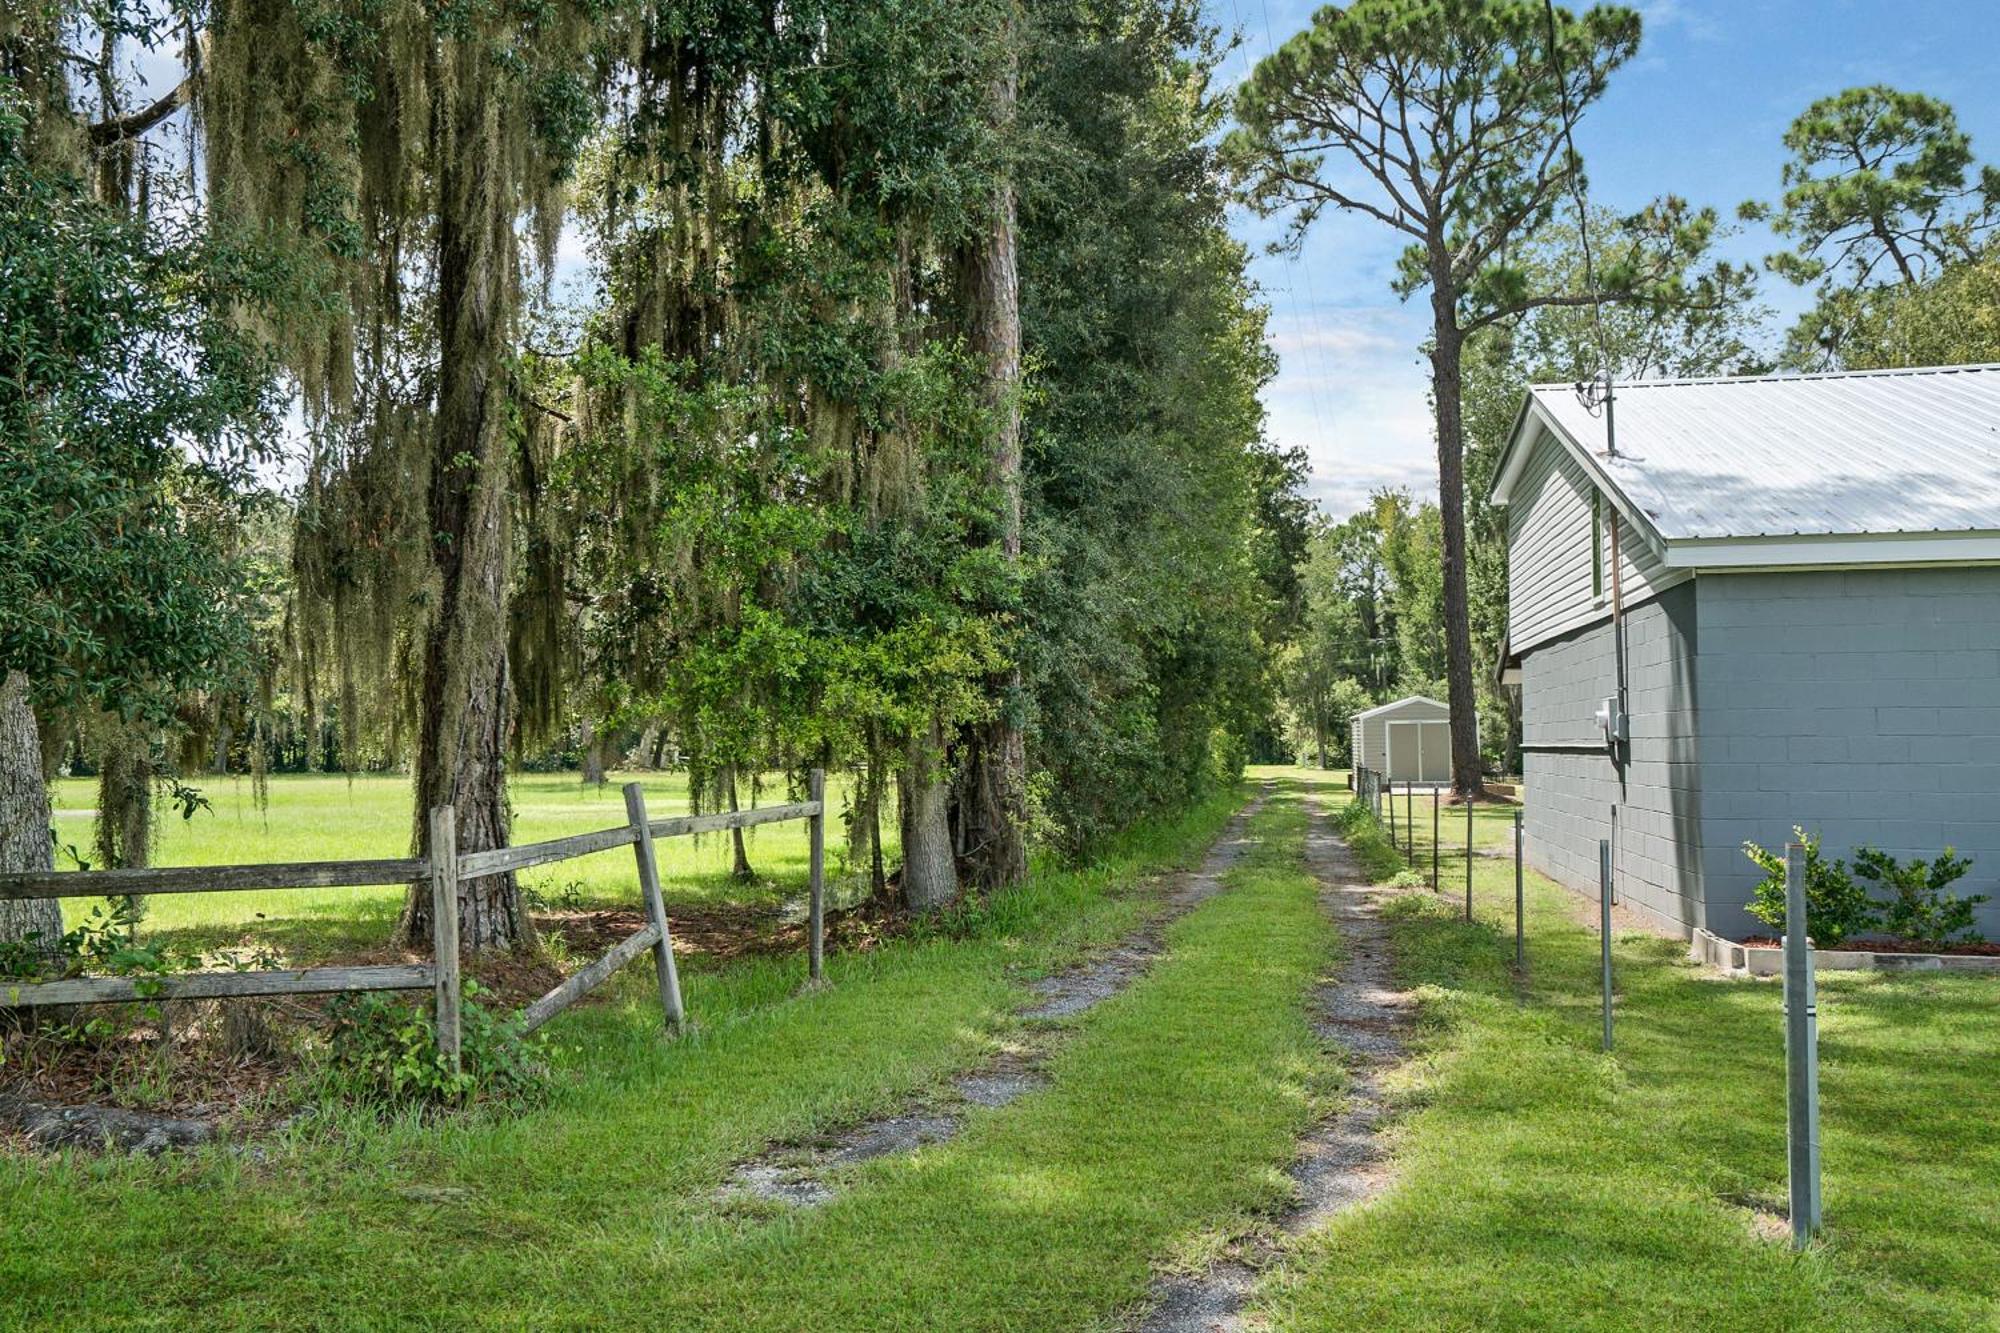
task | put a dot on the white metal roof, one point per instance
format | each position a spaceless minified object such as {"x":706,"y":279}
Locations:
{"x":1404,"y":702}
{"x":1756,"y":461}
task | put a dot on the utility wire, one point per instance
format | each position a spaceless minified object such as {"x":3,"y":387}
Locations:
{"x":1306,"y":349}
{"x":1592,"y":393}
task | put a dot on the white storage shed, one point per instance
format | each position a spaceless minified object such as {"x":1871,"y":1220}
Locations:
{"x":1407,"y":741}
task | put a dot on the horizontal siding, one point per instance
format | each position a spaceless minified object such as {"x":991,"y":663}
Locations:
{"x":1371,"y":733}
{"x":1548,"y":553}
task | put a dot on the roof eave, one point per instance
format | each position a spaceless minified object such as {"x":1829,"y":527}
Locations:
{"x":1833,"y":550}
{"x":1514,"y":459}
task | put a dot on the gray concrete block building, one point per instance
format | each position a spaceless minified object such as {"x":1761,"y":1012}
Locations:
{"x":1736,"y":605}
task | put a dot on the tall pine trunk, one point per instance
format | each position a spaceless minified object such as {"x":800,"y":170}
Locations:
{"x":993,"y":809}
{"x":461,"y":752}
{"x":1447,"y":387}
{"x":930,"y":875}
{"x":24,"y":819}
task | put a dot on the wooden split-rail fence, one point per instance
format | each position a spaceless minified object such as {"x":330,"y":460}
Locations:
{"x":443,"y":870}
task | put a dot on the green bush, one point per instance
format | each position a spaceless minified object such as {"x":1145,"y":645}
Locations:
{"x":1836,"y":907}
{"x":102,"y":944}
{"x":1920,"y":907}
{"x":385,"y":1051}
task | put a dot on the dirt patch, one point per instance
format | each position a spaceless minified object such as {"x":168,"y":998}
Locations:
{"x":1091,"y":983}
{"x":1341,"y":1162}
{"x":803,"y":1175}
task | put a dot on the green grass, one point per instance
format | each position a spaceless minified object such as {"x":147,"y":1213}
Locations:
{"x":333,"y":817}
{"x":1175,"y":1101}
{"x":1546,"y":1185}
{"x":1541,"y":1183}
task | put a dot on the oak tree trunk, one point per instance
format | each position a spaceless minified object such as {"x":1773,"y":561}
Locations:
{"x":930,"y":876}
{"x":993,"y":814}
{"x":465,"y":702}
{"x":740,"y":865}
{"x":1447,"y":389}
{"x":24,"y":819}
{"x":593,"y":756}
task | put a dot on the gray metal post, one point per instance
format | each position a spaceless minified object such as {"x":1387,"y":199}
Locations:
{"x":1410,"y":820}
{"x":1434,"y":838}
{"x":1392,"y":820}
{"x":1604,"y":927}
{"x":1520,"y":946}
{"x":816,"y":870}
{"x":1801,"y":1054}
{"x":1468,"y":858}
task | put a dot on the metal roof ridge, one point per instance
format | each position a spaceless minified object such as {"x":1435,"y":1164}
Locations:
{"x":1781,"y":377}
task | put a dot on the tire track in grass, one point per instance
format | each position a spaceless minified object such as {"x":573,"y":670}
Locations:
{"x":1340,"y":1163}
{"x":805,"y":1175}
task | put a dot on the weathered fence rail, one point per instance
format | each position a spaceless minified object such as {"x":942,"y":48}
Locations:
{"x":444,"y":870}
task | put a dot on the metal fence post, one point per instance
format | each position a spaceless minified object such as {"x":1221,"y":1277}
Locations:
{"x":1520,"y":946}
{"x":816,"y":955}
{"x":1435,"y":885}
{"x":1801,"y":1054}
{"x":444,"y":933}
{"x":1392,"y":819}
{"x":1604,"y":927}
{"x":1468,"y":859}
{"x":656,"y":905}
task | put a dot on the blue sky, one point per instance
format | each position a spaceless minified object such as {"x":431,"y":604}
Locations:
{"x":1699,"y":113}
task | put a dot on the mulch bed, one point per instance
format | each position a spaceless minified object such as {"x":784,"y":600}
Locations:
{"x":138,"y":1090}
{"x":1975,"y":949}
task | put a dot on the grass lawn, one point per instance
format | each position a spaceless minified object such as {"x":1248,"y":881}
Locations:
{"x":335,"y":817}
{"x":1172,"y":1106}
{"x":1546,"y":1185}
{"x":1542,"y":1185}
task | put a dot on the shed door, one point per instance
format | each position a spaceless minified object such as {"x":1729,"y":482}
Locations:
{"x":1434,"y":751}
{"x":1405,"y":746}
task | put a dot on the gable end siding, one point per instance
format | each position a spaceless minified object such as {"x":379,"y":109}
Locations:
{"x":1549,"y":590}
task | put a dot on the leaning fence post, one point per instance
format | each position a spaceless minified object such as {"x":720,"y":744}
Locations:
{"x":444,"y":932}
{"x":1801,"y":1054}
{"x":1604,"y":927}
{"x":816,"y":955}
{"x":1520,"y":944}
{"x":1468,"y":859}
{"x":656,"y":904}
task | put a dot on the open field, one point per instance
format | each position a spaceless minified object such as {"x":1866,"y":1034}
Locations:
{"x":335,"y":817}
{"x":1545,"y":1185}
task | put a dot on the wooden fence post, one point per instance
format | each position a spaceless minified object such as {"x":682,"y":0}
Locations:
{"x":656,"y":906}
{"x":816,"y":956}
{"x":444,"y":931}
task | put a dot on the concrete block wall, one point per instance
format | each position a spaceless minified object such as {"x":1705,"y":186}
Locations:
{"x":1862,"y":705}
{"x":1572,"y":785}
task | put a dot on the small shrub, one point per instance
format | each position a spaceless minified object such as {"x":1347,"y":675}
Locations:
{"x":1920,"y":907}
{"x":1836,"y":907}
{"x":102,"y":944}
{"x":385,"y":1051}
